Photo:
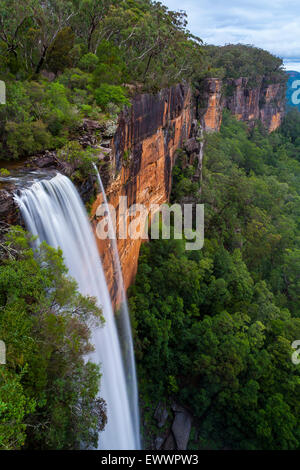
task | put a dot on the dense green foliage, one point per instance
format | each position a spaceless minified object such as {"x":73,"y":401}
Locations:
{"x":214,"y":327}
{"x":48,"y":392}
{"x":65,"y":60}
{"x":152,"y":40}
{"x":239,"y":60}
{"x":76,"y":157}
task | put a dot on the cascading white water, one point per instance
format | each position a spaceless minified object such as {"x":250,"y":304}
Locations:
{"x":53,"y":211}
{"x":123,"y":320}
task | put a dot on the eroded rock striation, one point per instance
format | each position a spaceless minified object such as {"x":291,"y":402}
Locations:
{"x":137,"y":154}
{"x":143,"y":150}
{"x":248,"y":102}
{"x":144,"y":147}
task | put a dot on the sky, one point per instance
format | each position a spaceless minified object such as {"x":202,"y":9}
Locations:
{"x":270,"y":24}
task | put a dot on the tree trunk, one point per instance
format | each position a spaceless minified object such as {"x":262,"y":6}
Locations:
{"x":42,"y":60}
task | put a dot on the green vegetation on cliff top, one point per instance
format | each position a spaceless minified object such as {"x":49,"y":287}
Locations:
{"x":239,"y":60}
{"x":63,"y":61}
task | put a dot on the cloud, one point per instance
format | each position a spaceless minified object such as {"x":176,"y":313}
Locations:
{"x":291,"y":64}
{"x":271,"y":25}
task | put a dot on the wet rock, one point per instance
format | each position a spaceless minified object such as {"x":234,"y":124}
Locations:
{"x":161,"y":415}
{"x":181,"y":427}
{"x":158,"y":443}
{"x":86,"y":188}
{"x":8,"y":210}
{"x":170,"y":443}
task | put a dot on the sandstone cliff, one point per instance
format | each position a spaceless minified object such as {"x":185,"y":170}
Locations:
{"x":209,"y":104}
{"x":264,"y":102}
{"x":137,"y":161}
{"x":150,"y":132}
{"x":144,"y":147}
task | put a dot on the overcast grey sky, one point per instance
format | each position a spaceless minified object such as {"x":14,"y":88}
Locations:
{"x":271,"y":24}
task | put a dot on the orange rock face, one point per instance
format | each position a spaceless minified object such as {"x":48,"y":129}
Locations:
{"x":144,"y":153}
{"x":145,"y":144}
{"x":247,"y":103}
{"x":263,"y":102}
{"x":275,"y":122}
{"x":272,"y":107}
{"x":212,"y":116}
{"x":241,"y":100}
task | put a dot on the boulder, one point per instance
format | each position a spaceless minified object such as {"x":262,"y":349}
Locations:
{"x":158,"y":443}
{"x":170,"y":443}
{"x":7,"y":207}
{"x":191,"y":146}
{"x":161,"y":415}
{"x":181,"y":427}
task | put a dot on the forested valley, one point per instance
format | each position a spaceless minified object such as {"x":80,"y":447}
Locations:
{"x":213,"y":328}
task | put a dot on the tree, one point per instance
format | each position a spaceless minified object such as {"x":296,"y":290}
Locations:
{"x":91,"y":15}
{"x":58,"y":56}
{"x":48,"y":391}
{"x":15,"y":28}
{"x":214,"y":328}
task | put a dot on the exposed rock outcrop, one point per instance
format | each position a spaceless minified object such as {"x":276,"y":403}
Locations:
{"x":8,"y":210}
{"x":173,"y":430}
{"x":144,"y":147}
{"x":161,"y":415}
{"x":272,"y":105}
{"x":137,"y":154}
{"x":264,"y":102}
{"x":181,"y":428}
{"x":209,"y":104}
{"x":243,"y":100}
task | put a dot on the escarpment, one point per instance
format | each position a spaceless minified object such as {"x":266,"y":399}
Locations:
{"x":263,"y":101}
{"x":144,"y":147}
{"x":136,"y":157}
{"x":248,"y":102}
{"x":154,"y":127}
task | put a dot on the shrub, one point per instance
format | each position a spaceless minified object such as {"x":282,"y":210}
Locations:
{"x":106,"y":94}
{"x":27,"y":138}
{"x":74,"y":154}
{"x":88,"y":62}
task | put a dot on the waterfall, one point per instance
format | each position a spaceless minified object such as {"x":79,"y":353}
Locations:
{"x":123,"y":320}
{"x":53,"y":211}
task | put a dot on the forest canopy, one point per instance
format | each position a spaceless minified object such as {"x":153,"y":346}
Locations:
{"x":64,"y":61}
{"x":48,"y":389}
{"x":240,"y":60}
{"x":150,"y":43}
